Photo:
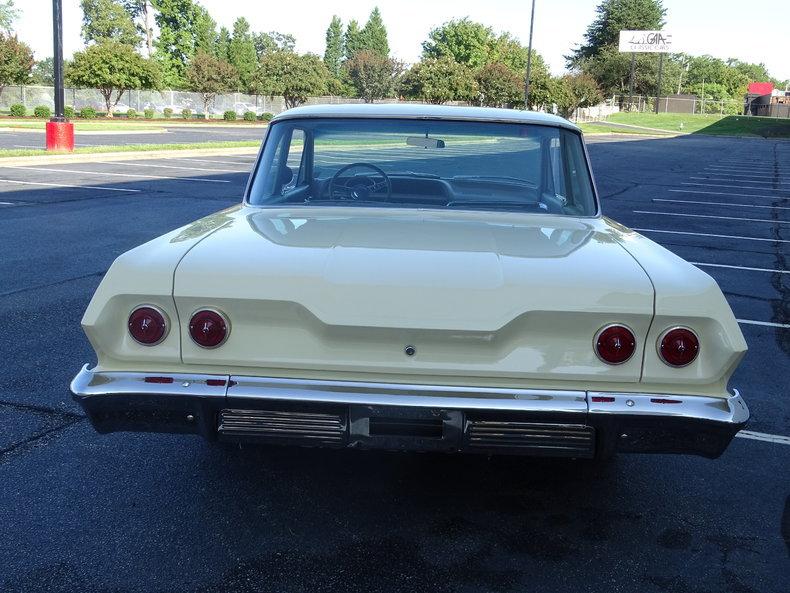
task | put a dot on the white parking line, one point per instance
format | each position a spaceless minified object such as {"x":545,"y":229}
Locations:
{"x":711,"y":216}
{"x":720,"y":193}
{"x":721,"y":204}
{"x":191,"y":160}
{"x":712,"y":235}
{"x":765,"y":170}
{"x":762,"y":436}
{"x":731,"y":186}
{"x":71,"y":186}
{"x":709,"y":178}
{"x":149,"y":177}
{"x":765,"y":323}
{"x":124,"y":163}
{"x":739,"y":174}
{"x":740,"y":268}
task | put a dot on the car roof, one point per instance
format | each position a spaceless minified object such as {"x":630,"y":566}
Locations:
{"x":420,"y":111}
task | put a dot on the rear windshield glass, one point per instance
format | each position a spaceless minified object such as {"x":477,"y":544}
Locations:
{"x":433,"y":164}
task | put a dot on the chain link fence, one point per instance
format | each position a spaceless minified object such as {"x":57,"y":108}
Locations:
{"x":33,"y":96}
{"x":690,"y":104}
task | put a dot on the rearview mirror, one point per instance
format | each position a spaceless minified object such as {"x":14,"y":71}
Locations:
{"x":424,"y":142}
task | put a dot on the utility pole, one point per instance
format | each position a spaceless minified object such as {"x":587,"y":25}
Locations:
{"x":529,"y":57}
{"x":660,"y":70}
{"x":60,"y":133}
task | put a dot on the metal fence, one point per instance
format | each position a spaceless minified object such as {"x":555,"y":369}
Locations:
{"x":33,"y":96}
{"x":690,"y":104}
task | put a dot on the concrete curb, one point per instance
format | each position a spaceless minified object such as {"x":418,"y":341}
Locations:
{"x":63,"y":159}
{"x":78,"y":132}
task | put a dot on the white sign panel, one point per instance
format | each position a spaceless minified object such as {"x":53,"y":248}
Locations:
{"x":646,"y":42}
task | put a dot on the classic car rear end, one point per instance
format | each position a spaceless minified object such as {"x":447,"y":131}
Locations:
{"x":459,"y":292}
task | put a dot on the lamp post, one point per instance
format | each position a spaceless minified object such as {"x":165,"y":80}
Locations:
{"x":529,"y":57}
{"x":60,"y":133}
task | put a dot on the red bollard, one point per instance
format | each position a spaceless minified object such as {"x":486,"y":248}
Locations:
{"x":60,"y":136}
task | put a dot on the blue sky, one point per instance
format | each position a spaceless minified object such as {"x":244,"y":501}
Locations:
{"x":723,"y":28}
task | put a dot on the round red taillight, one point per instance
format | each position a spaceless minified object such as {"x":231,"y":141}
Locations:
{"x":147,"y":325}
{"x":615,"y":344}
{"x":208,"y":328}
{"x":678,"y":346}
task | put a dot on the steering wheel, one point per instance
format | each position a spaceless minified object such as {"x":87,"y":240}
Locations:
{"x":359,"y":187}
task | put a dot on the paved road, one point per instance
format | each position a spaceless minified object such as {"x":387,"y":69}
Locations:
{"x":14,"y":139}
{"x":125,"y":512}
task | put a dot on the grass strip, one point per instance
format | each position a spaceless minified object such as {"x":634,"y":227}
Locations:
{"x":134,"y":148}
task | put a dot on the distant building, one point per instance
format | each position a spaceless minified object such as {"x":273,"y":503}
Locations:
{"x":764,"y":100}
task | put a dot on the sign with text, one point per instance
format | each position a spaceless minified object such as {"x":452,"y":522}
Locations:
{"x":647,"y":42}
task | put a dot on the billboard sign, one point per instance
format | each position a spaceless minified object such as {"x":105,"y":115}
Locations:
{"x":647,"y":42}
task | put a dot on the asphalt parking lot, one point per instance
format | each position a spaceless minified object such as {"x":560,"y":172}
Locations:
{"x":132,"y":512}
{"x":12,"y":139}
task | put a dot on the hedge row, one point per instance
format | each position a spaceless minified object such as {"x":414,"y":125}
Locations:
{"x":42,"y":111}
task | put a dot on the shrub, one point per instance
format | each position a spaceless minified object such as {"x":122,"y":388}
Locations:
{"x":266,"y":116}
{"x":88,"y":113}
{"x":167,"y":112}
{"x":186,"y":113}
{"x":69,"y":112}
{"x":131,"y":113}
{"x":249,"y":116}
{"x":149,"y":113}
{"x":42,"y":111}
{"x":18,"y":110}
{"x":229,"y":115}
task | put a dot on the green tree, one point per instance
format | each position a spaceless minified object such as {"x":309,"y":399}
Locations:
{"x":574,"y":91}
{"x":8,"y":14}
{"x":16,"y":61}
{"x":222,"y":46}
{"x":113,"y":68}
{"x":209,"y":76}
{"x":611,"y":70}
{"x":352,"y":40}
{"x":498,"y":85}
{"x":292,"y":76}
{"x":466,"y":42}
{"x":179,"y":22}
{"x":333,"y":54}
{"x":107,"y":20}
{"x":614,"y":16}
{"x":205,"y":33}
{"x":438,"y":80}
{"x":374,"y":35}
{"x":242,"y":53}
{"x":44,"y":72}
{"x":141,"y":13}
{"x":372,"y":75}
{"x":266,"y":43}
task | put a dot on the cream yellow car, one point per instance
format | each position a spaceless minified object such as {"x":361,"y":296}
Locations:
{"x":411,"y":277}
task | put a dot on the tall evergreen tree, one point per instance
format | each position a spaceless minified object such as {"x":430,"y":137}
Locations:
{"x":333,"y":55}
{"x":614,"y":16}
{"x":374,"y":35}
{"x":205,"y":33}
{"x":352,"y":40}
{"x":242,"y":54}
{"x":222,"y":49}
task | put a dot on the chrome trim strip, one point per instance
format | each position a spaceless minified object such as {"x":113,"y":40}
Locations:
{"x":730,"y":410}
{"x":89,"y":384}
{"x":423,"y":396}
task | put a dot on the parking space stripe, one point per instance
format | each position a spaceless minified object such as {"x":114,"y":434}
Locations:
{"x":731,"y":186}
{"x":149,"y":177}
{"x":740,"y":268}
{"x":711,"y":216}
{"x":191,"y":160}
{"x":744,"y":181}
{"x":721,"y":204}
{"x":13,"y":181}
{"x":181,"y":168}
{"x":765,"y":170}
{"x":764,"y":323}
{"x":756,"y":175}
{"x":720,"y":193}
{"x":712,"y":235}
{"x":762,"y":436}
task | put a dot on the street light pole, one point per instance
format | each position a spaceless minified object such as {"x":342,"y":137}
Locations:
{"x":529,"y":57}
{"x":60,"y":133}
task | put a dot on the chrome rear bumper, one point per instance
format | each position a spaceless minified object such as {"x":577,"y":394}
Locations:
{"x":410,"y":417}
